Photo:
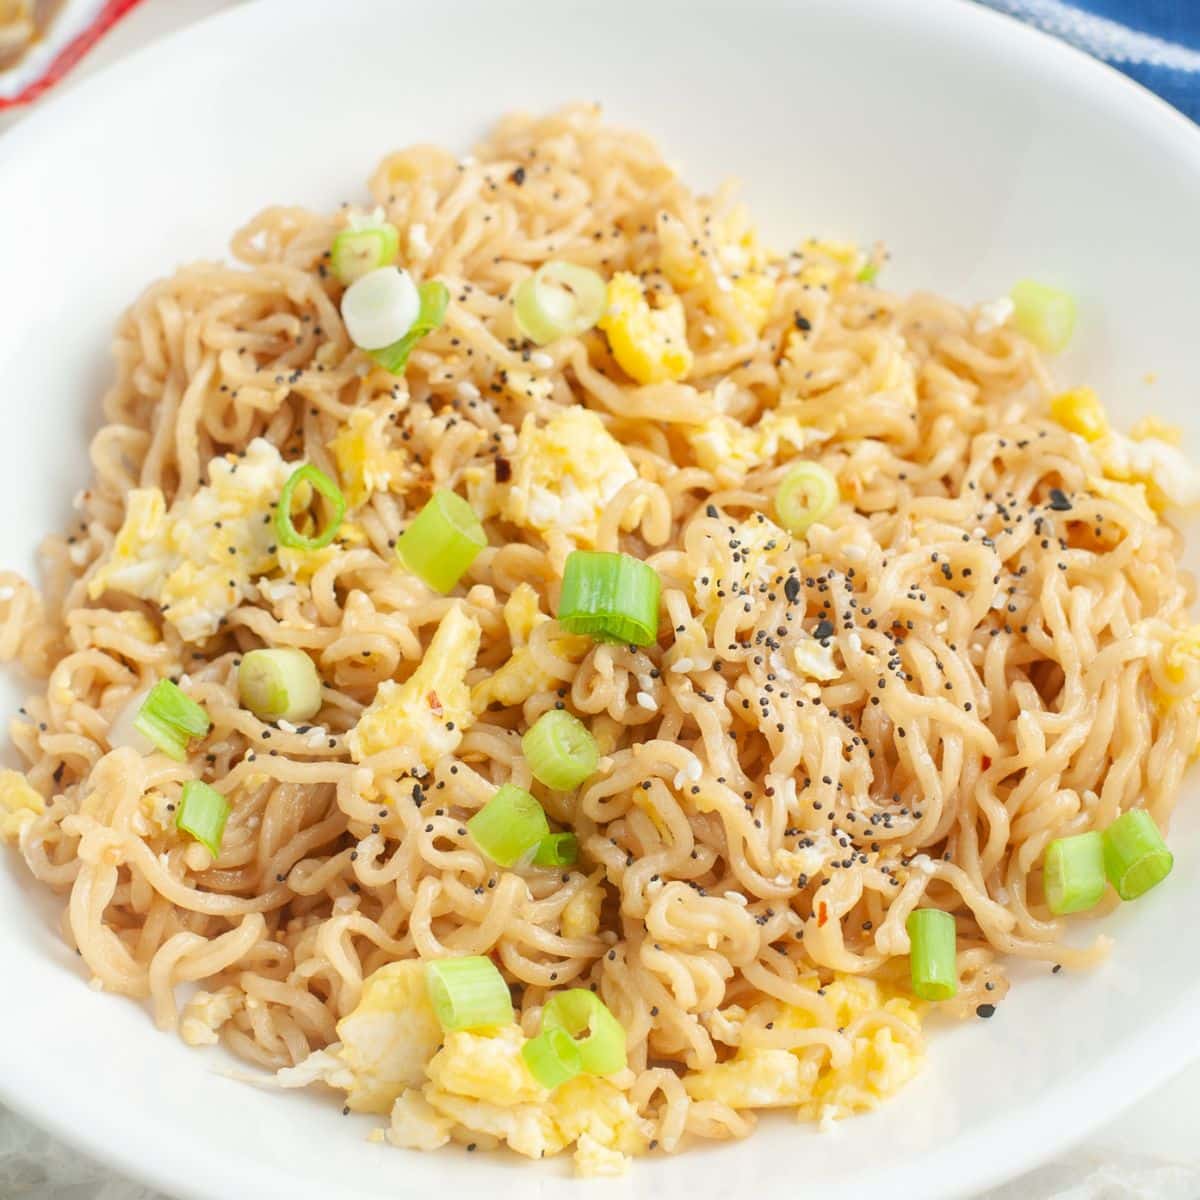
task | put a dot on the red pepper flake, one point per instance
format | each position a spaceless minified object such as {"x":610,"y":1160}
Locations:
{"x":822,"y":914}
{"x":987,"y":761}
{"x":434,"y":703}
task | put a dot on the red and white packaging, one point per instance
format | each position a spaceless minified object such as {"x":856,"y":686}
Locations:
{"x":41,"y":40}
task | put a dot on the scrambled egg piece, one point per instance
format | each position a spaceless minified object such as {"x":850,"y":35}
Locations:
{"x":366,"y":463}
{"x":753,"y":296}
{"x":390,"y":1037}
{"x":520,"y":676}
{"x":564,"y":474}
{"x":756,"y":543}
{"x":1182,"y":654}
{"x":597,"y":1109}
{"x":522,"y":613}
{"x":593,"y":1159}
{"x":486,"y":1067}
{"x":198,"y":561}
{"x":581,"y":914}
{"x":416,"y":1124}
{"x":1151,"y":457}
{"x":650,"y":344}
{"x":481,"y":1083}
{"x":1155,"y":427}
{"x":827,"y":262}
{"x":756,"y":1078}
{"x":386,"y":1042}
{"x":301,"y":565}
{"x":206,"y":1012}
{"x":879,"y":1063}
{"x":815,"y":659}
{"x":753,"y":292}
{"x":723,"y":443}
{"x":738,"y":242}
{"x":1131,"y":495}
{"x":424,"y":717}
{"x":528,"y":1129}
{"x":1080,"y":411}
{"x":20,"y":802}
{"x":1170,"y":479}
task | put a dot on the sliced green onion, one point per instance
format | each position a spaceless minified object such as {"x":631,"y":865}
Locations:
{"x":1073,"y":873}
{"x":559,"y":300}
{"x":610,"y":597}
{"x":510,"y":826}
{"x":280,"y":684}
{"x":1043,"y":314}
{"x":598,"y":1034}
{"x":170,"y":719}
{"x":559,"y":750}
{"x":933,"y":958}
{"x":556,"y":850}
{"x":433,"y":297}
{"x":358,"y":251}
{"x":867,"y":272}
{"x":552,"y":1058}
{"x":203,"y":812}
{"x":468,"y":993}
{"x":442,"y":540}
{"x":380,"y":308}
{"x":808,"y":493}
{"x":1135,"y":856}
{"x":286,"y":531}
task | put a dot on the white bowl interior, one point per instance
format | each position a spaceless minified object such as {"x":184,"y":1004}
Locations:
{"x":980,"y":152}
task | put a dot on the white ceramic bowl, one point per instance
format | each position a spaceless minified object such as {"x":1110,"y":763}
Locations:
{"x":980,"y":151}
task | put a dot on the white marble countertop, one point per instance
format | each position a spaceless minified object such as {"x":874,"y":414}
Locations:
{"x":1150,"y":1153}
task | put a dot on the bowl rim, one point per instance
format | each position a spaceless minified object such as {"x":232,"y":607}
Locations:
{"x":1146,"y":1061}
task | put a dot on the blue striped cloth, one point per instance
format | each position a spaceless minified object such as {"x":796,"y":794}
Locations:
{"x":1156,"y":42}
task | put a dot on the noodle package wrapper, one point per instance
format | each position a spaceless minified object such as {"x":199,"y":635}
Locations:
{"x":42,"y":40}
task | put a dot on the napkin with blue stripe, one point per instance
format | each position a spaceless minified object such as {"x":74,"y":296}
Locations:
{"x":1156,"y":42}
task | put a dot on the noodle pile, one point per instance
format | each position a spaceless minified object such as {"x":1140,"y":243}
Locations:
{"x":902,"y":707}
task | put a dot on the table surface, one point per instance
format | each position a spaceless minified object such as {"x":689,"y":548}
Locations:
{"x":1149,"y":1153}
